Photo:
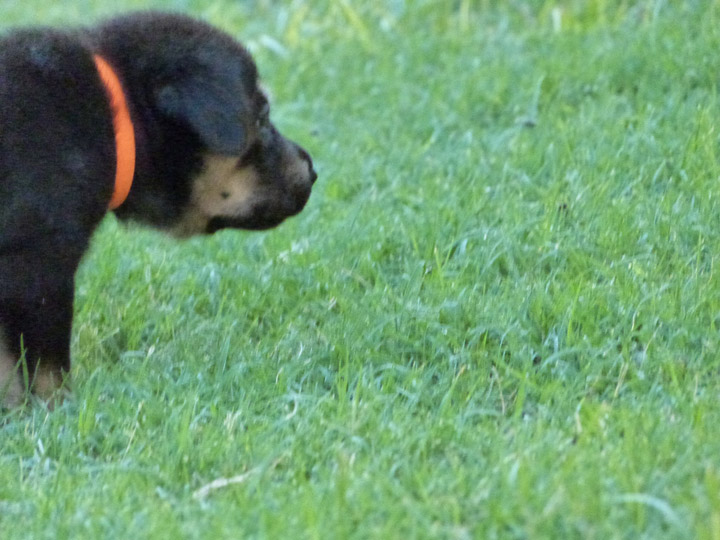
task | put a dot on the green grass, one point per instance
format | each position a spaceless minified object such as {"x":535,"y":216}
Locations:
{"x":497,"y":318}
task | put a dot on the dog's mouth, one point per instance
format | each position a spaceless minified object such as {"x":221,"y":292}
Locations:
{"x":250,"y":224}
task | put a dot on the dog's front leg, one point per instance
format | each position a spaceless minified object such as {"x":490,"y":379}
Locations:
{"x":39,"y":327}
{"x":10,"y":388}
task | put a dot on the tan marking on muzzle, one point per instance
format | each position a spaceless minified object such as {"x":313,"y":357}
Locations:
{"x":11,"y":391}
{"x":295,"y":168}
{"x":299,"y":170}
{"x":221,"y":189}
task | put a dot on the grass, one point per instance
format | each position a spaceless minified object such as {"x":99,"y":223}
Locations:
{"x":497,"y":318}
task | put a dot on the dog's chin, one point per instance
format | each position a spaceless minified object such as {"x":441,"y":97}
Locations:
{"x":251,"y":223}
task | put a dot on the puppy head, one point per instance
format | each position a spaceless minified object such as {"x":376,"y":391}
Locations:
{"x":251,"y":177}
{"x":198,"y":93}
{"x":256,"y":189}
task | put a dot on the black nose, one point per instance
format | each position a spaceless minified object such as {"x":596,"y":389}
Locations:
{"x":304,"y":155}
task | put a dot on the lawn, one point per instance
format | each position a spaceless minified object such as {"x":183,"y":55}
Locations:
{"x":498,"y":316}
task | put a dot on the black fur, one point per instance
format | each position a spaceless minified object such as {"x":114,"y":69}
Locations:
{"x":192,"y":93}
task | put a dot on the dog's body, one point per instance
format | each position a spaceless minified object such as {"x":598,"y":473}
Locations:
{"x":207,"y":158}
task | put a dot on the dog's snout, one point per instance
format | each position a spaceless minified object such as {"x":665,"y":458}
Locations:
{"x":311,"y":170}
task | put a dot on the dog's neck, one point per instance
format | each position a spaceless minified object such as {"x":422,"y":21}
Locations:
{"x":124,"y":133}
{"x":164,"y":166}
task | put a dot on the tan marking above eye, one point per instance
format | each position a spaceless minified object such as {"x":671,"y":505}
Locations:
{"x":220,"y":189}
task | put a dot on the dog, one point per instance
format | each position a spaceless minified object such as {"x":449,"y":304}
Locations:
{"x":154,"y":116}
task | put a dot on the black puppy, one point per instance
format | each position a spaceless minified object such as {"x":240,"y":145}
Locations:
{"x":163,"y":101}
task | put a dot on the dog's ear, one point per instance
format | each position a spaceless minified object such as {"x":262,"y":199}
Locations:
{"x":213,"y":113}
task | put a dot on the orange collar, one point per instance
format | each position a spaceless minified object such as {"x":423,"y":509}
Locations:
{"x":124,"y":133}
